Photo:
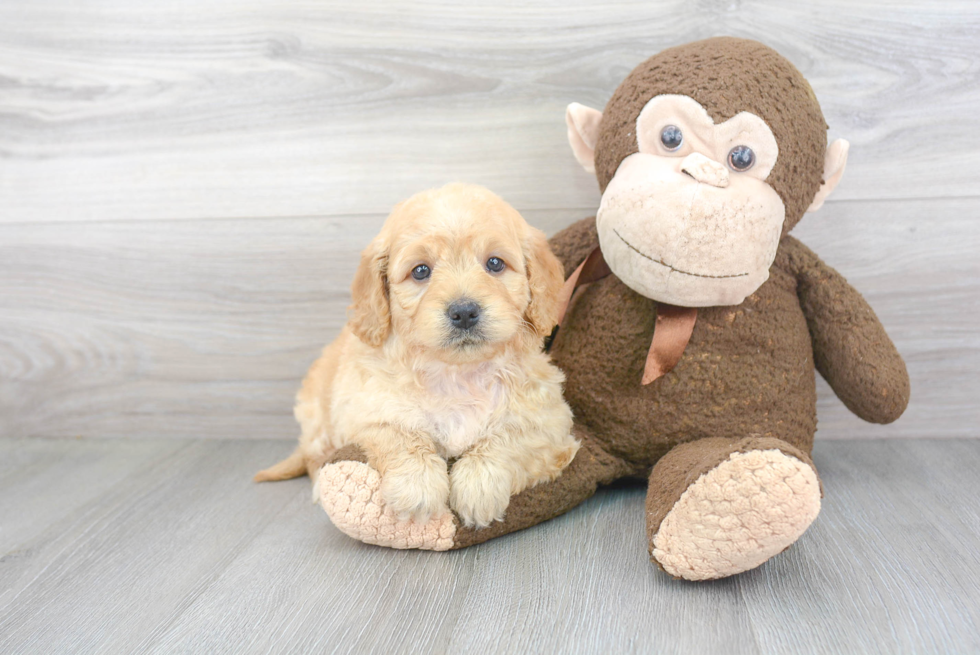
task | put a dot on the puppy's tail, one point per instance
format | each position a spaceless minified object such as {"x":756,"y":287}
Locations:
{"x":291,"y":467}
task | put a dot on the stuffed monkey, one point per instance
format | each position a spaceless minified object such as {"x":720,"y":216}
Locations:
{"x":694,"y":321}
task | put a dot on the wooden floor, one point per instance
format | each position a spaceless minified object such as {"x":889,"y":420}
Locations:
{"x":114,"y":546}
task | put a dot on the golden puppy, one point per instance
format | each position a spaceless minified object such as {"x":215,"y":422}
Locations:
{"x":441,"y":359}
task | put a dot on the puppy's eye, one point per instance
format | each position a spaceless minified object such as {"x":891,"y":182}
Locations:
{"x":741,"y":158}
{"x":495,"y":264}
{"x":672,"y":137}
{"x":421,"y":272}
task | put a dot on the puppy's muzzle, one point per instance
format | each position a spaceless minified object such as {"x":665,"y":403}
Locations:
{"x":463,"y":314}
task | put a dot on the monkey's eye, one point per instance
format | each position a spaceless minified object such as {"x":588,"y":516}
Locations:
{"x":421,"y":272}
{"x":495,"y":264}
{"x":741,"y":158}
{"x":672,"y":137}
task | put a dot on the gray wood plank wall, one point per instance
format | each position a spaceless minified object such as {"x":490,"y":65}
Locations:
{"x":185,"y":185}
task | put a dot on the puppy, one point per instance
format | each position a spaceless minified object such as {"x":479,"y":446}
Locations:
{"x":441,"y":361}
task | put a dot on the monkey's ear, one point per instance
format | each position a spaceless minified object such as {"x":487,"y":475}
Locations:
{"x":369,"y":315}
{"x":583,"y":132}
{"x":545,"y":277}
{"x":833,"y":169}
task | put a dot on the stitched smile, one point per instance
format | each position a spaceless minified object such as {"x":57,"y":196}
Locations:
{"x":665,"y":264}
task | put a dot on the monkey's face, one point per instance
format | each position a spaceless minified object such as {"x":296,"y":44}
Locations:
{"x":689,"y":219}
{"x":694,"y":202}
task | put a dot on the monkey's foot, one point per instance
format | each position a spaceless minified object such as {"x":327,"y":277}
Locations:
{"x":736,"y":516}
{"x":350,"y":492}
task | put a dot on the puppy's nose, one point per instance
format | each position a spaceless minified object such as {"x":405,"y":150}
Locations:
{"x":463,"y":314}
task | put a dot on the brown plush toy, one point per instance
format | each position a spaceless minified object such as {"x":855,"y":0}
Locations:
{"x":695,"y":321}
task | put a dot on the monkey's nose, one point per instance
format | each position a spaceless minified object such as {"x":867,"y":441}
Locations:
{"x":705,"y":170}
{"x":463,"y":314}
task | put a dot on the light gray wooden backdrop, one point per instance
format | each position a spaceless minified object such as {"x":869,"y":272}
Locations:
{"x":185,"y":184}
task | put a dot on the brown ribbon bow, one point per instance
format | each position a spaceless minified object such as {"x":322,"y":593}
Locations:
{"x":671,"y":332}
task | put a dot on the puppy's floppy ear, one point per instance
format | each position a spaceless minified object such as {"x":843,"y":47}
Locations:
{"x":369,"y":315}
{"x":545,"y":277}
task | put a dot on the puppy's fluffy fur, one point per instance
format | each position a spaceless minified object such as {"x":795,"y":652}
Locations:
{"x":415,"y":390}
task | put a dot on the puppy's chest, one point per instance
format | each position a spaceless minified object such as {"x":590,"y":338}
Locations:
{"x":461,"y":408}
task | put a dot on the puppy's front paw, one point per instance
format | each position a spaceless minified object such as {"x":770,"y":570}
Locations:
{"x":479,"y":494}
{"x":417,"y":488}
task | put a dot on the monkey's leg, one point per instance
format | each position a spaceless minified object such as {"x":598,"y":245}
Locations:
{"x":717,"y":507}
{"x":349,"y":491}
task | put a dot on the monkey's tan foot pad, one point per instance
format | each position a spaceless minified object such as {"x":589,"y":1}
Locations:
{"x":737,"y":515}
{"x":350,"y":492}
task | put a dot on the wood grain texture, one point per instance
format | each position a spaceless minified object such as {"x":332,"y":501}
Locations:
{"x":43,"y":483}
{"x":186,"y":555}
{"x":185,"y":186}
{"x":205,"y":328}
{"x":225,"y":109}
{"x":898,"y":522}
{"x":118,"y":566}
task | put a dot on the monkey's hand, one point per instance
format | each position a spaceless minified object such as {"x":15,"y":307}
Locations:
{"x":850,"y":347}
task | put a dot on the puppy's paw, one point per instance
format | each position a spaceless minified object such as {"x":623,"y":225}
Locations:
{"x":417,"y":489}
{"x":479,"y":493}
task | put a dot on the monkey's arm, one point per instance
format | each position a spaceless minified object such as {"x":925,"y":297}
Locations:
{"x":573,"y":244}
{"x":850,"y":347}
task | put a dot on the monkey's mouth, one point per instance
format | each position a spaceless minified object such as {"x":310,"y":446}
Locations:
{"x":666,"y":265}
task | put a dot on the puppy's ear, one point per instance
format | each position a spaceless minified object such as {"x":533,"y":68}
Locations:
{"x":545,"y":277}
{"x":369,"y":315}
